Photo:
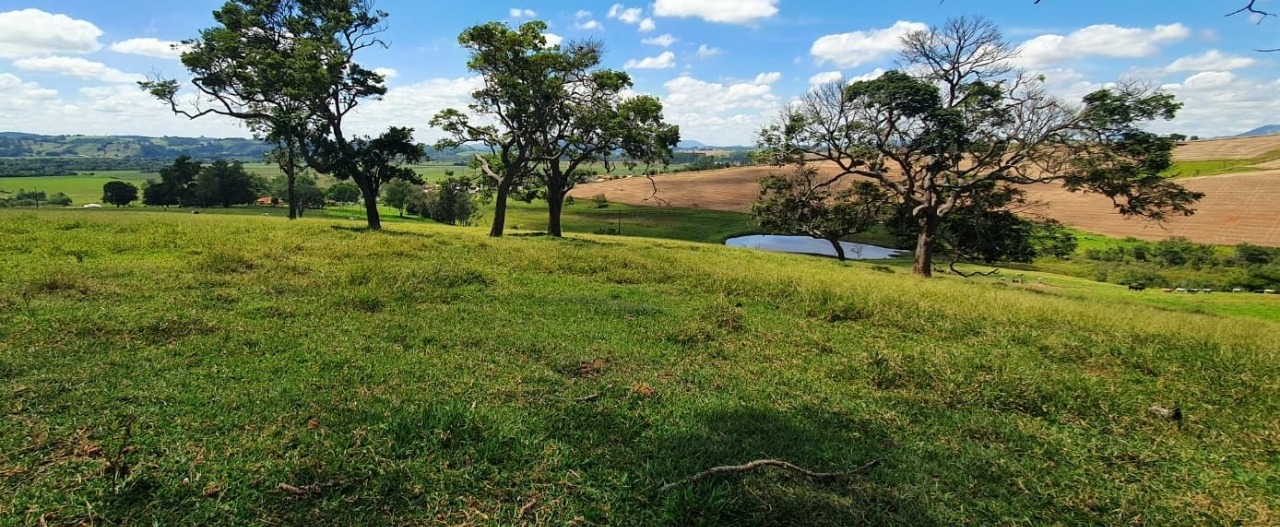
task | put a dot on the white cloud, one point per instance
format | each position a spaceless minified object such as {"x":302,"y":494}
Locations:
{"x":1210,"y":60}
{"x":151,"y":47}
{"x":1219,"y":103}
{"x":76,"y":67}
{"x":647,"y":25}
{"x":664,"y":40}
{"x":1104,"y":40}
{"x":32,"y":32}
{"x":553,"y":39}
{"x":387,"y":73}
{"x":850,"y":50}
{"x":825,"y":77}
{"x":414,"y":105}
{"x":721,"y":113}
{"x":20,"y":95}
{"x":721,"y":11}
{"x":705,"y":51}
{"x":522,"y":13}
{"x":868,"y":76}
{"x":664,"y":61}
{"x":589,"y":25}
{"x":626,"y":15}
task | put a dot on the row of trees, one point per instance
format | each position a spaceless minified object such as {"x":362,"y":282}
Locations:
{"x":945,"y":146}
{"x":288,"y":69}
{"x":190,"y":183}
{"x":34,"y":198}
{"x":954,"y":135}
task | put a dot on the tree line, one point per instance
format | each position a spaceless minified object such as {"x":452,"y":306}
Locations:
{"x":940,"y":149}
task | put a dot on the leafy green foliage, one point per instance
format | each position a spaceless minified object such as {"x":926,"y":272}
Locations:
{"x":343,"y":193}
{"x":119,"y":193}
{"x":450,"y":202}
{"x":798,"y":203}
{"x":398,"y":193}
{"x":176,"y":185}
{"x":225,"y":184}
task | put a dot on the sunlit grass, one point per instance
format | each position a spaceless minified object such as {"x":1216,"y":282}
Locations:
{"x":177,"y":369}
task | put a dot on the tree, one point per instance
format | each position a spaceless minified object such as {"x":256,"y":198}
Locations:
{"x":308,"y":195}
{"x":449,"y":202}
{"x":965,"y":126}
{"x":798,"y":202}
{"x":287,"y":67}
{"x":521,"y":81}
{"x":398,"y":193}
{"x":226,"y":184}
{"x":372,"y":162}
{"x":343,"y":193}
{"x":119,"y":193}
{"x":175,"y":186}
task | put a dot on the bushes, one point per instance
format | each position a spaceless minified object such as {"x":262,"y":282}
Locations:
{"x":451,"y":202}
{"x":1178,"y":262}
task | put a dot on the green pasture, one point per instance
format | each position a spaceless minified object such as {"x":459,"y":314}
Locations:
{"x":175,"y":369}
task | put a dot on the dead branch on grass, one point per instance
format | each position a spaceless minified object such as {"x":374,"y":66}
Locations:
{"x":761,"y":463}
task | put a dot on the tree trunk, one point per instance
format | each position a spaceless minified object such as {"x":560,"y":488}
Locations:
{"x":370,"y":205}
{"x":839,"y":249}
{"x":500,"y":210}
{"x":291,"y":175}
{"x":555,"y":209}
{"x":925,"y":244}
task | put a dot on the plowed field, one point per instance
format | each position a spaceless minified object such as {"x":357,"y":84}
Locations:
{"x":1237,"y":208}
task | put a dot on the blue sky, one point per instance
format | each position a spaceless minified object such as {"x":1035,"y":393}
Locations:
{"x":722,"y":67}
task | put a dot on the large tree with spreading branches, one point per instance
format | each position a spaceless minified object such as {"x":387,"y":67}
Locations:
{"x":959,"y":124}
{"x":288,"y":68}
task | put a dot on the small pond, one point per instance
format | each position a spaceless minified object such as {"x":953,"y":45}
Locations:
{"x":807,"y":245}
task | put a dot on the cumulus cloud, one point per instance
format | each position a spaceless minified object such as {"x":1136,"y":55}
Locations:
{"x":76,"y":67}
{"x":825,"y":77}
{"x":664,"y":40}
{"x":723,"y":113}
{"x":387,"y":73}
{"x":664,"y":61}
{"x":589,"y":25}
{"x":522,"y":13}
{"x":20,"y":95}
{"x":553,"y":39}
{"x":626,"y":15}
{"x":705,"y":51}
{"x":1105,"y":40}
{"x":850,"y":50}
{"x":1210,"y":60}
{"x":719,"y":11}
{"x":32,"y":32}
{"x":647,"y":25}
{"x":151,"y":47}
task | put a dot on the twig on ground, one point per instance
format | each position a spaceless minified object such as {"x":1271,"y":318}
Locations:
{"x":590,"y":398}
{"x":760,"y":463}
{"x":526,"y":508}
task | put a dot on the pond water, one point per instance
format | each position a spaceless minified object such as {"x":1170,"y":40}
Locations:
{"x":807,"y":245}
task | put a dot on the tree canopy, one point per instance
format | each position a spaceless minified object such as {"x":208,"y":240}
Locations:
{"x":963,"y":125}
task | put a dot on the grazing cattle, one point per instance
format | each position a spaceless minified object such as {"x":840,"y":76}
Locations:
{"x":1237,"y":290}
{"x":1268,"y":291}
{"x":1180,"y":290}
{"x":1137,"y":287}
{"x":1167,"y":290}
{"x":1206,"y":290}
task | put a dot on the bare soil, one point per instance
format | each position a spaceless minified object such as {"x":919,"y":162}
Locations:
{"x":1236,"y":208}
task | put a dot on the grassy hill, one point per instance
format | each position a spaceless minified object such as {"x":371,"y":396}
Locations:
{"x":230,"y":370}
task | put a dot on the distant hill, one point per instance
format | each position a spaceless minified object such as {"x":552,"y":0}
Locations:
{"x":14,"y":144}
{"x":689,"y":144}
{"x":1262,"y":130}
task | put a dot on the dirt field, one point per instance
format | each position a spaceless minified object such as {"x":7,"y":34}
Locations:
{"x":1231,"y":148}
{"x":1236,"y":208}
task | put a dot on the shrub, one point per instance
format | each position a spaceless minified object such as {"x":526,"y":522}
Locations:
{"x":600,"y":201}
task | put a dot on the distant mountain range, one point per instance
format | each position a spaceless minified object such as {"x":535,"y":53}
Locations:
{"x":1262,"y":130}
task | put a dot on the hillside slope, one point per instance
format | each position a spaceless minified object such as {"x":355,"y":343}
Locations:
{"x":1238,"y":208}
{"x":220,"y":370}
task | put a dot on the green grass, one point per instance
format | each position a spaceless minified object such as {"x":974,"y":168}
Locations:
{"x":82,"y":189}
{"x":583,"y":216}
{"x":176,"y":370}
{"x":1217,"y":167}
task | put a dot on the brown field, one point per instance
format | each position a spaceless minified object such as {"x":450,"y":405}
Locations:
{"x":1236,"y":208}
{"x":1230,"y":148}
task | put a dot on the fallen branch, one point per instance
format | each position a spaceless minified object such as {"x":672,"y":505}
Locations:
{"x":760,"y":463}
{"x":587,"y":399}
{"x":973,"y":274}
{"x":526,"y":508}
